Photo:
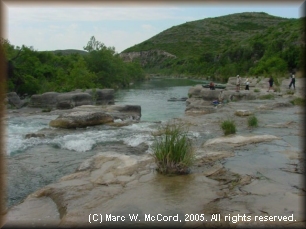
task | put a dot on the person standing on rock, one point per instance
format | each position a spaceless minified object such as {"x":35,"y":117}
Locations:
{"x":270,"y":83}
{"x":238,"y":81}
{"x":247,"y":84}
{"x":292,"y":81}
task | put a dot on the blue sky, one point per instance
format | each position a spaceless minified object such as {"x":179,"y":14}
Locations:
{"x":121,"y":25}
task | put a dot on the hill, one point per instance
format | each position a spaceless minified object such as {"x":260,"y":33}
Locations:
{"x":223,"y":46}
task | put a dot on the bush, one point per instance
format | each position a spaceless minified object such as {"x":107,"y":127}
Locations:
{"x":172,"y":149}
{"x":228,"y":127}
{"x":256,"y":90}
{"x":252,"y":121}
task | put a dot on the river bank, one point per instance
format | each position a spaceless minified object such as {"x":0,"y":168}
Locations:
{"x":255,"y":173}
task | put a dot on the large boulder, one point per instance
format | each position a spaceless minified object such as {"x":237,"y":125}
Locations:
{"x":45,"y":100}
{"x":195,"y":92}
{"x":14,"y":100}
{"x":73,"y":99}
{"x":102,"y":96}
{"x":199,"y":106}
{"x":81,"y":119}
{"x":123,"y":112}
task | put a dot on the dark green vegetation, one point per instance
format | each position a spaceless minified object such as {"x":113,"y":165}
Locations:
{"x":173,"y":151}
{"x":298,"y":101}
{"x":252,"y":121}
{"x":228,"y":127}
{"x":245,"y":43}
{"x":31,"y":72}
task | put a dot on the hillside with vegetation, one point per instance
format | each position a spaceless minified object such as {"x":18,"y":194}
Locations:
{"x":217,"y":48}
{"x":33,"y":72}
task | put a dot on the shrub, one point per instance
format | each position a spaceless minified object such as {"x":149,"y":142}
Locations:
{"x":256,"y":90}
{"x":172,"y":149}
{"x":228,"y":127}
{"x":252,"y":121}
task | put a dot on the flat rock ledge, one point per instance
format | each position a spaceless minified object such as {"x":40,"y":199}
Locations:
{"x":241,"y":140}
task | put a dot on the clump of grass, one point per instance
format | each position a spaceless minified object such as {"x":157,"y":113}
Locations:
{"x":268,"y":96}
{"x":256,"y":90}
{"x":228,"y":127}
{"x":252,"y":121}
{"x":172,"y":149}
{"x":298,"y":101}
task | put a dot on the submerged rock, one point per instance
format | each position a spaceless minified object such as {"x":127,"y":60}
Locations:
{"x":34,"y":135}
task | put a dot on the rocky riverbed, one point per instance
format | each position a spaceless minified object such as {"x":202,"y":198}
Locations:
{"x":251,"y":178}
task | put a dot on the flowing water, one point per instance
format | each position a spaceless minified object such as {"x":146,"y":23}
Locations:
{"x":29,"y":158}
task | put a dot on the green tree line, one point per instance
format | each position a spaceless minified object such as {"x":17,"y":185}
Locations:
{"x":34,"y":72}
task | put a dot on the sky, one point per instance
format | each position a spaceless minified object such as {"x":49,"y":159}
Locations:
{"x":116,"y":24}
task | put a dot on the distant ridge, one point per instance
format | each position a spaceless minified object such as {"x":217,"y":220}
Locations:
{"x":223,"y":45}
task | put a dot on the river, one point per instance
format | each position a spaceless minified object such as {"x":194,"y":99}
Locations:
{"x":35,"y":162}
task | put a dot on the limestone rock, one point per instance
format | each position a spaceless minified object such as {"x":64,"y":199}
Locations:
{"x":118,"y":112}
{"x":271,"y":106}
{"x":241,"y":140}
{"x":102,"y":96}
{"x":45,"y":100}
{"x":13,"y":100}
{"x":80,"y":119}
{"x":195,"y":92}
{"x":243,"y":113}
{"x":73,"y":99}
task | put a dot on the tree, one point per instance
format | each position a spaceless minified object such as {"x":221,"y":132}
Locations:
{"x":93,"y":45}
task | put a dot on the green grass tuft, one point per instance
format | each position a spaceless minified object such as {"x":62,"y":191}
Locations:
{"x":252,"y":121}
{"x":172,"y":149}
{"x":228,"y":127}
{"x":256,"y":90}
